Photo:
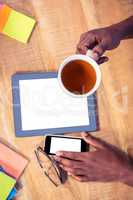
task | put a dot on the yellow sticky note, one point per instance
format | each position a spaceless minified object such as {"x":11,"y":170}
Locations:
{"x":6,"y":185}
{"x":19,"y":26}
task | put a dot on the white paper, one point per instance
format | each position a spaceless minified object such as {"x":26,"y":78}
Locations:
{"x":44,"y":105}
{"x":64,"y":144}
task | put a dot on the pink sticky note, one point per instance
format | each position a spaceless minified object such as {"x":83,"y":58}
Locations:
{"x":12,"y":162}
{"x":1,"y":5}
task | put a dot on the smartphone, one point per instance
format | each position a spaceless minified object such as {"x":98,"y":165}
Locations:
{"x":58,"y":143}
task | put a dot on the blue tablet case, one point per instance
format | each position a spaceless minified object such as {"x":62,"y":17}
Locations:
{"x":92,"y":109}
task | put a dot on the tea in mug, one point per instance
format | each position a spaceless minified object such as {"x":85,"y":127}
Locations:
{"x":78,"y":77}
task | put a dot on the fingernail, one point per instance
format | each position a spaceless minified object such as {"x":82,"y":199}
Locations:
{"x":58,"y":153}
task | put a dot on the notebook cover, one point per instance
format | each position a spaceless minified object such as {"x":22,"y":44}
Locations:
{"x":9,"y":160}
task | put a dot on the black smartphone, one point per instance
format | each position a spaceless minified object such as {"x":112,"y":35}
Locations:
{"x":58,"y":143}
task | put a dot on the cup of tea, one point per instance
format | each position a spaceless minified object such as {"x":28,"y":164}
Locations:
{"x":79,"y":75}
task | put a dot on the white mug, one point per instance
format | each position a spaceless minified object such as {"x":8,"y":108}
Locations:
{"x":87,"y":58}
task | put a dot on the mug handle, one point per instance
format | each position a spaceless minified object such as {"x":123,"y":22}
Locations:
{"x":89,"y":53}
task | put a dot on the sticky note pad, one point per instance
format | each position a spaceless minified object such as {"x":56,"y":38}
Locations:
{"x":6,"y":185}
{"x":12,"y":162}
{"x":19,"y":26}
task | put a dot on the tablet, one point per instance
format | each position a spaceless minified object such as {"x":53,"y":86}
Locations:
{"x":41,"y":107}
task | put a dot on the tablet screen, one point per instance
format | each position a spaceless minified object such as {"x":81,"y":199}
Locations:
{"x":44,"y":105}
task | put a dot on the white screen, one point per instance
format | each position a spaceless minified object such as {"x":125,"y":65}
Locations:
{"x":44,"y":105}
{"x":65,"y":144}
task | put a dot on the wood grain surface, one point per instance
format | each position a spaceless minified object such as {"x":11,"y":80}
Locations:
{"x":60,"y":23}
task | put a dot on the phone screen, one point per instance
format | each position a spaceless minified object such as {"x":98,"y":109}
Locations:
{"x":65,"y":144}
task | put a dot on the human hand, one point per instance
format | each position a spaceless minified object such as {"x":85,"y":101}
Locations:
{"x":106,"y":163}
{"x":99,"y":40}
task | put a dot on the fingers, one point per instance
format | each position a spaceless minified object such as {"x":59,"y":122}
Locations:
{"x":80,"y":178}
{"x":90,"y":40}
{"x":71,"y":166}
{"x":81,"y":50}
{"x":83,"y":178}
{"x":73,"y":171}
{"x":68,"y":163}
{"x":99,"y":49}
{"x":86,"y":42}
{"x":71,"y":155}
{"x":97,"y":143}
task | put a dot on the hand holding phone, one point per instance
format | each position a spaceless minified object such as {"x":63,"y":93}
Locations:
{"x":63,"y":143}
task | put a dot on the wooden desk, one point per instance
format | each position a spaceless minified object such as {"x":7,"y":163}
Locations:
{"x":60,"y":23}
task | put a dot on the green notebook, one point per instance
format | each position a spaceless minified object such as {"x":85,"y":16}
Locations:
{"x":6,"y":185}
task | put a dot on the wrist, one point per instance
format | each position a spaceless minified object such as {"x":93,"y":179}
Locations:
{"x":118,"y":30}
{"x":124,"y":29}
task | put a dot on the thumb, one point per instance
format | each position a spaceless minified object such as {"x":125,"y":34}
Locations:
{"x":95,"y":142}
{"x":98,"y":51}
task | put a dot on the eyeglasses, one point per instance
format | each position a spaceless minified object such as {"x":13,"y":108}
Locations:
{"x":50,"y":167}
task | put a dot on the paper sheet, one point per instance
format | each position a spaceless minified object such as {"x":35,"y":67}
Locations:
{"x":6,"y":185}
{"x":12,"y":162}
{"x":19,"y":26}
{"x":44,"y":105}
